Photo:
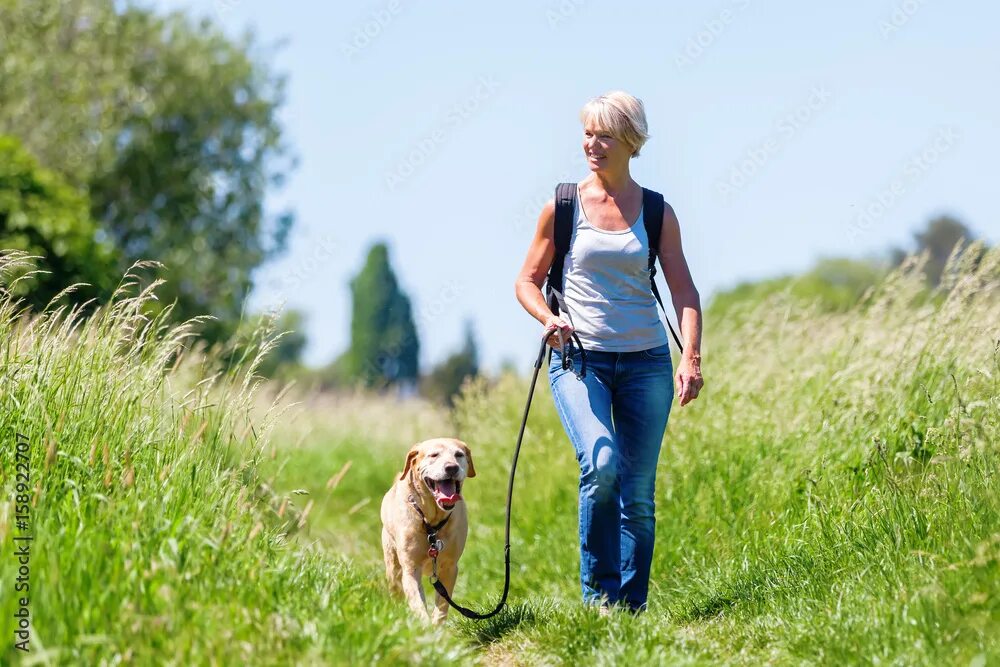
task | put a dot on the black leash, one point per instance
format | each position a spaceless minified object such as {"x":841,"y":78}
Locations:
{"x":435,"y":544}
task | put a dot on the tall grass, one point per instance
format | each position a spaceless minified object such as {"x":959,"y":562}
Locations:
{"x":831,"y":498}
{"x":154,"y":540}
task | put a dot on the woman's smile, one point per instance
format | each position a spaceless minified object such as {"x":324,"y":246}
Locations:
{"x":602,"y":149}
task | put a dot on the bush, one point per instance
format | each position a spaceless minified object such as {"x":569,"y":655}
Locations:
{"x":832,"y":285}
{"x":43,"y":216}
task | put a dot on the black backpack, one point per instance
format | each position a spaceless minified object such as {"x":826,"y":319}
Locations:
{"x":652,"y":220}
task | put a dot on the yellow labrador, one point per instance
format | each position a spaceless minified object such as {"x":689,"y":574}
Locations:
{"x":426,"y":500}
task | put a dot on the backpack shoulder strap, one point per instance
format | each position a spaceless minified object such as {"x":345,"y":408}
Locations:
{"x":565,"y":203}
{"x":652,"y":219}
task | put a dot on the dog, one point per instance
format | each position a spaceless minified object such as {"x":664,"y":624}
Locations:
{"x":426,"y":501}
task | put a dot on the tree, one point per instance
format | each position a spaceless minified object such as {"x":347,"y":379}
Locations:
{"x":939,"y":239}
{"x":171,"y":127}
{"x":384,"y":345}
{"x":43,"y":216}
{"x":444,"y":382}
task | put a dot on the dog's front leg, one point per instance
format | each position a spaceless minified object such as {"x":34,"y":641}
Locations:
{"x":414,"y":591}
{"x":393,"y":571}
{"x":448,"y":574}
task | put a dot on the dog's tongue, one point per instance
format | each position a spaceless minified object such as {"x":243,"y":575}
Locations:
{"x":445,"y":492}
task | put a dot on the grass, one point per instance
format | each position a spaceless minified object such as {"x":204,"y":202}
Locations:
{"x":832,"y":498}
{"x":154,"y":540}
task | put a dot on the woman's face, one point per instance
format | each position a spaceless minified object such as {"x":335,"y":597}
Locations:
{"x":602,"y":150}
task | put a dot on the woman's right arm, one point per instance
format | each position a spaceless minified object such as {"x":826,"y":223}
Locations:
{"x":528,"y":286}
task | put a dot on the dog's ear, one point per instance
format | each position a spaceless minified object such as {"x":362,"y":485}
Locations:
{"x":471,"y":471}
{"x":411,"y":456}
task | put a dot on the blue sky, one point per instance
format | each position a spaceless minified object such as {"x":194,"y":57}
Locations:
{"x":781,"y":132}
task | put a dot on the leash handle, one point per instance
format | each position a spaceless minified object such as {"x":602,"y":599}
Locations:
{"x":567,"y":359}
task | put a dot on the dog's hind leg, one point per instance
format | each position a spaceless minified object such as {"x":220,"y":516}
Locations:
{"x":448,"y":574}
{"x":393,"y":572}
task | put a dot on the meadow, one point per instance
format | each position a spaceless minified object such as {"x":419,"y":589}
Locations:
{"x":832,"y":497}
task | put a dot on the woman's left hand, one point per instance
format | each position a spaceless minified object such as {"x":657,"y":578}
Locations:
{"x":688,"y":382}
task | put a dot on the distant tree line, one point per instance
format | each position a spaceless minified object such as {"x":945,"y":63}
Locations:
{"x":837,"y":283}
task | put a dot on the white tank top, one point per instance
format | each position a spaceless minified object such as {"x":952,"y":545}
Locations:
{"x":606,"y":287}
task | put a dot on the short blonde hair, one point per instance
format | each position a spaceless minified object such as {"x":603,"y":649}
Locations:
{"x":620,"y":114}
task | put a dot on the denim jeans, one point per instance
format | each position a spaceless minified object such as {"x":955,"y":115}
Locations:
{"x":615,"y":418}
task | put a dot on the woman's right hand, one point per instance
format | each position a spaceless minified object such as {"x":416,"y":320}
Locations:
{"x":557,"y":324}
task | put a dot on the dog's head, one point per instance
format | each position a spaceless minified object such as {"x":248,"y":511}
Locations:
{"x":441,"y":465}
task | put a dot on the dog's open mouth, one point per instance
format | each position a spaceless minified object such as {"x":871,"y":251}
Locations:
{"x":446,"y":492}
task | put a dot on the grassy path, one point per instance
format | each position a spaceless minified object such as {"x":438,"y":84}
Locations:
{"x":837,"y":503}
{"x":832,"y":499}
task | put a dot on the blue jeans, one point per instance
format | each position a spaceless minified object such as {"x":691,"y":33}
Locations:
{"x":615,"y":418}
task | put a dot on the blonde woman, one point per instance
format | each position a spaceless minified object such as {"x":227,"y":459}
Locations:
{"x":616,"y":414}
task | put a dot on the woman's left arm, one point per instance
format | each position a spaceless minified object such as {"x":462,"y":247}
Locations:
{"x":687,"y":303}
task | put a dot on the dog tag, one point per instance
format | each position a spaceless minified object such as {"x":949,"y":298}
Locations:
{"x":435,"y":549}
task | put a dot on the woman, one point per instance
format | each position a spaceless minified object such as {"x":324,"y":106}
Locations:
{"x":616,"y":415}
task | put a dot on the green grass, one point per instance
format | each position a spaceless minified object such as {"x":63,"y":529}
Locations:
{"x":832,"y":498}
{"x":149,"y":545}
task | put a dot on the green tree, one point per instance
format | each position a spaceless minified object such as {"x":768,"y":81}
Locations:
{"x":939,"y":239}
{"x":172,"y":128}
{"x":384,"y":345}
{"x":64,"y":81}
{"x":444,"y":382}
{"x":43,"y":216}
